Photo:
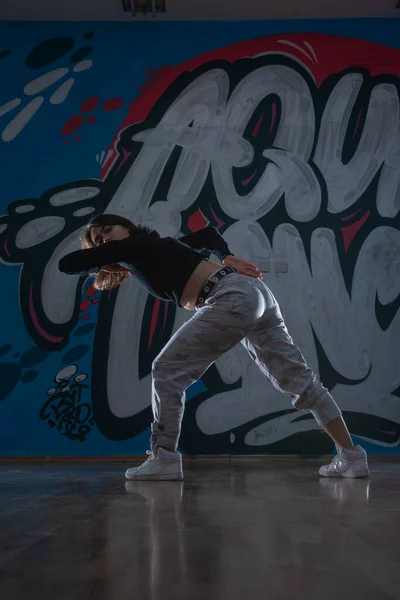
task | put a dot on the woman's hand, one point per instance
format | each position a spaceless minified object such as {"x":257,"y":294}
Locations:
{"x":242,"y":266}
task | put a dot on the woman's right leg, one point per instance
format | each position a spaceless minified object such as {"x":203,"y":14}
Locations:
{"x":210,"y":333}
{"x":227,"y":317}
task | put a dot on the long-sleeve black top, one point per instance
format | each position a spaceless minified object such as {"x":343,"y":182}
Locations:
{"x":162,"y":265}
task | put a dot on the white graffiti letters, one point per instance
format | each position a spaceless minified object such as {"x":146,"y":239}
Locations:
{"x":209,"y":128}
{"x":317,"y":159}
{"x":346,"y":183}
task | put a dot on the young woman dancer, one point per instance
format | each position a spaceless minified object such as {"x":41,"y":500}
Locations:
{"x":231,"y":305}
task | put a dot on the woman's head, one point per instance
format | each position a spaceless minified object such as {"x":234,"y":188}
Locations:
{"x":105,"y":228}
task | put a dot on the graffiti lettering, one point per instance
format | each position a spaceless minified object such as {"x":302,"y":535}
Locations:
{"x":303,"y":179}
{"x":211,"y":134}
{"x":64,"y":407}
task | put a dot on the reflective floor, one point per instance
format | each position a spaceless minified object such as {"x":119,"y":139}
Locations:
{"x":251,"y":529}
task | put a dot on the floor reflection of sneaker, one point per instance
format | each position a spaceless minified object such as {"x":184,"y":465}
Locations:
{"x":347,"y":463}
{"x":346,"y":490}
{"x":162,"y":465}
{"x":167,"y":493}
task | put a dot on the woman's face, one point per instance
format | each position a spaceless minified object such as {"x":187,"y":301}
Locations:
{"x":101,"y":234}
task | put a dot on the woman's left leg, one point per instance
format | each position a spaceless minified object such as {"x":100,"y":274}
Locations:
{"x":283,"y":364}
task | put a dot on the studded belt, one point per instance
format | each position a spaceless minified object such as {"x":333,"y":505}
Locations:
{"x":211,"y":283}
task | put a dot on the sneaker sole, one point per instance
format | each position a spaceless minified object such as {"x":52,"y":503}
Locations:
{"x":156,"y":477}
{"x":350,"y":474}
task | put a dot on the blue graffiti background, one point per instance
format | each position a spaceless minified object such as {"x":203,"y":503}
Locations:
{"x":39,"y":159}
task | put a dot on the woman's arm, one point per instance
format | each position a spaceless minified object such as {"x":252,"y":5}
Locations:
{"x":208,"y":238}
{"x":92,"y":259}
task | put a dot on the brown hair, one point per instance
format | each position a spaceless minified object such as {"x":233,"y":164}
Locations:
{"x":103,"y":279}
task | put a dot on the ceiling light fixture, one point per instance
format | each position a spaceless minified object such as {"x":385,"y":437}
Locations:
{"x":144,"y":6}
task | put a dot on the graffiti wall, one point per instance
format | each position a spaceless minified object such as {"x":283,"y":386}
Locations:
{"x":283,"y":135}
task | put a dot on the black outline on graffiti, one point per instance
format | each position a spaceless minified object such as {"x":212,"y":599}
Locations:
{"x":34,"y":261}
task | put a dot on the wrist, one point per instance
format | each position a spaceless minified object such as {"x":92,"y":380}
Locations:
{"x":226,"y":258}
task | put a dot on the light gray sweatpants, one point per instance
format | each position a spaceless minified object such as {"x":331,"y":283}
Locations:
{"x":239,"y":309}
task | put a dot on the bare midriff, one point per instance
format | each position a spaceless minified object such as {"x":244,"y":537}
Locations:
{"x":192,"y":289}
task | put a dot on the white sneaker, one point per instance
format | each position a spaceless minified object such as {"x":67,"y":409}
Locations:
{"x":163,"y":465}
{"x":347,"y":463}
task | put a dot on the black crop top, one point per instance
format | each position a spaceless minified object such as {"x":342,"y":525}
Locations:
{"x":162,"y":265}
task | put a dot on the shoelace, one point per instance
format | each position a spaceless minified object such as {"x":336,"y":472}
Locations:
{"x":336,"y":461}
{"x":150,"y":455}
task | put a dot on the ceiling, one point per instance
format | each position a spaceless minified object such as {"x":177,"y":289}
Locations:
{"x":177,"y":10}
